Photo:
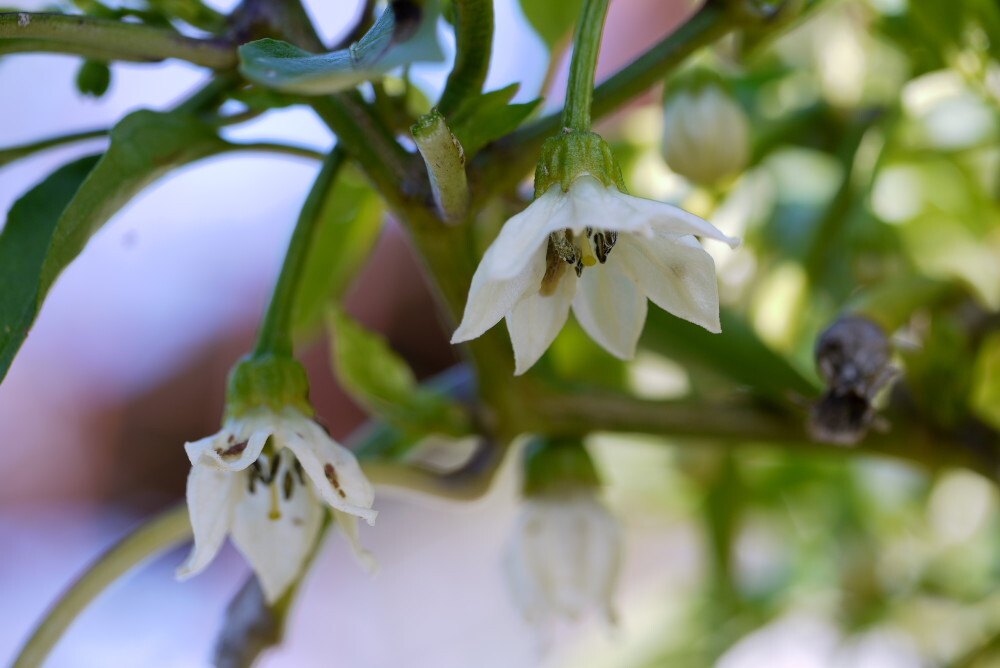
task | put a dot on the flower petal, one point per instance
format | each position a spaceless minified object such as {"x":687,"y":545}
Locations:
{"x":239,"y":444}
{"x":333,"y":469}
{"x":211,"y":497}
{"x":523,"y":233}
{"x":490,"y":299}
{"x":610,"y":308}
{"x":348,"y":525}
{"x":676,"y":274}
{"x":535,"y":321}
{"x":626,"y":213}
{"x":277,"y":547}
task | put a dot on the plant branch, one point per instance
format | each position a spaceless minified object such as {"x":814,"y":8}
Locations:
{"x":112,"y":40}
{"x":286,"y":149}
{"x":13,"y":153}
{"x":158,"y":534}
{"x":474,"y":42}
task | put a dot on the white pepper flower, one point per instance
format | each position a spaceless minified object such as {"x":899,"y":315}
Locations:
{"x":590,"y":247}
{"x":269,"y":502}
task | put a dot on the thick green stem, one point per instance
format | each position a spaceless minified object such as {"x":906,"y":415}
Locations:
{"x":161,"y":533}
{"x":474,"y":42}
{"x":113,"y":40}
{"x":275,"y":334}
{"x":586,"y":47}
{"x":445,"y":160}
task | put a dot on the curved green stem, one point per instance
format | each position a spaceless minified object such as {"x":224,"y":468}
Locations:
{"x":286,"y":149}
{"x":161,"y":533}
{"x":586,"y":47}
{"x":112,"y":40}
{"x":13,"y":153}
{"x":474,"y":43}
{"x":275,"y":334}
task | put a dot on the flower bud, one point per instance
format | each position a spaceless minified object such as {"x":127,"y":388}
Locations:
{"x":706,"y":135}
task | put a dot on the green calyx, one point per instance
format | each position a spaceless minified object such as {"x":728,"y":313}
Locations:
{"x":556,"y":465}
{"x":568,"y":156}
{"x":272,"y":381}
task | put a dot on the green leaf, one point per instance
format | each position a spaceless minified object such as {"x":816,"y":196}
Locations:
{"x":392,"y":42}
{"x":384,"y":385}
{"x":350,"y":222}
{"x":737,"y":354}
{"x":26,"y":236}
{"x":553,"y":21}
{"x":144,"y":146}
{"x":489,"y":116}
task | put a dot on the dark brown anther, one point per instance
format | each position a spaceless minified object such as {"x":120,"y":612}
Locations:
{"x":555,"y":266}
{"x":233,"y":450}
{"x":331,"y":475}
{"x":287,"y":484}
{"x":603,"y":243}
{"x":853,"y":358}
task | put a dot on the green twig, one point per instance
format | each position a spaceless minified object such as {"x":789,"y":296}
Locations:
{"x":114,"y":40}
{"x":586,"y":48}
{"x":286,"y":149}
{"x":442,"y":153}
{"x":161,"y":533}
{"x":473,"y":44}
{"x":13,"y":153}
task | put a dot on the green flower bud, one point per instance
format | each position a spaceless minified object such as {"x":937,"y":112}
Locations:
{"x":558,"y":465}
{"x":93,"y":78}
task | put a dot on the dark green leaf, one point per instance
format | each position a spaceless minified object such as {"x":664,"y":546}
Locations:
{"x":26,"y":236}
{"x":489,"y":117}
{"x":389,"y":44}
{"x":144,"y":146}
{"x":553,"y":21}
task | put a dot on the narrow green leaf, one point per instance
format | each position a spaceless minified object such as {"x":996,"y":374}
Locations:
{"x":26,"y":236}
{"x":49,"y":227}
{"x":392,"y":42}
{"x":553,"y":21}
{"x":350,"y":222}
{"x":737,"y":354}
{"x":384,"y":385}
{"x":488,"y":117}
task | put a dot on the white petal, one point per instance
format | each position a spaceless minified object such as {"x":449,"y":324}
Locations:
{"x":522,"y":573}
{"x":211,"y":497}
{"x":676,"y":274}
{"x":238,"y":445}
{"x":277,"y":547}
{"x":333,"y":469}
{"x":610,"y":307}
{"x":646,"y":216}
{"x":490,"y":299}
{"x":523,"y":233}
{"x":535,"y":321}
{"x":348,"y":525}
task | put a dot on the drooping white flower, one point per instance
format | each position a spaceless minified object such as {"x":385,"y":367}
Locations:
{"x":706,"y":134}
{"x":270,"y":503}
{"x":564,"y":558}
{"x":601,"y":252}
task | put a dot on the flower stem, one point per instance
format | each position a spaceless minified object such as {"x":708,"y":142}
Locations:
{"x":162,"y":532}
{"x":275,"y":334}
{"x":474,"y":42}
{"x":586,"y":46}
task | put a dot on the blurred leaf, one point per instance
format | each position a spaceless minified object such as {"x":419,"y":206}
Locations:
{"x":46,"y":231}
{"x":93,"y":78}
{"x":256,"y":97}
{"x":24,"y":241}
{"x":738,"y":354}
{"x":392,"y":42}
{"x":382,"y":382}
{"x":350,"y":223}
{"x":488,"y":117}
{"x":553,"y":21}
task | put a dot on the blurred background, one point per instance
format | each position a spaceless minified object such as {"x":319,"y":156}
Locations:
{"x":878,"y":115}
